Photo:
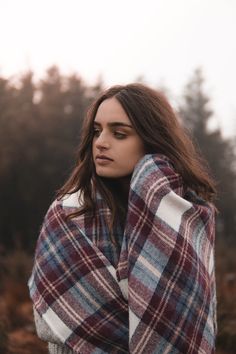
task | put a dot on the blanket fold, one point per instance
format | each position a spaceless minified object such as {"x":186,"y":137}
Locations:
{"x":159,"y":297}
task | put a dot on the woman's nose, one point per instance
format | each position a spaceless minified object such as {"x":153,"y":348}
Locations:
{"x":102,"y":141}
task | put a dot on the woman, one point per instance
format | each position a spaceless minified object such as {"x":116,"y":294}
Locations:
{"x":125,"y":258}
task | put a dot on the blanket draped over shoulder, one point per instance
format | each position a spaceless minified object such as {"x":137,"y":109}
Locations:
{"x":159,"y":298}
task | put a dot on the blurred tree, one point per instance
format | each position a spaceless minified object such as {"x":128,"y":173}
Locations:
{"x":17,"y":144}
{"x":40,"y":126}
{"x":219,"y":152}
{"x":62,"y":107}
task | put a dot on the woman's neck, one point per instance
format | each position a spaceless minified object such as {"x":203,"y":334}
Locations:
{"x":123,"y":185}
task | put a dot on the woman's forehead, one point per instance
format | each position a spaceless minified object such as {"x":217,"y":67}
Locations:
{"x":110,"y":111}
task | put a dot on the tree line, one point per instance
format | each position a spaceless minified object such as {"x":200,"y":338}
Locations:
{"x":40,"y":126}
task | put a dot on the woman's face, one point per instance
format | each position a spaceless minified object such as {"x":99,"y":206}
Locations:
{"x":116,"y":145}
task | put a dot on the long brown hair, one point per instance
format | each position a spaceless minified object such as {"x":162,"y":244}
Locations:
{"x":156,"y":123}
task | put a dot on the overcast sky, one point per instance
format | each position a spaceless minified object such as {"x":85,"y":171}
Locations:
{"x":161,"y":40}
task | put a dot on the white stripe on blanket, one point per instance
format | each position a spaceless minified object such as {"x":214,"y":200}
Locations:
{"x":171,"y":209}
{"x":57,"y":325}
{"x":133,"y":323}
{"x":211,"y":262}
{"x":123,"y":284}
{"x":74,"y":200}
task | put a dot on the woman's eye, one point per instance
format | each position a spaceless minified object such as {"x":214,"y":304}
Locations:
{"x":120,"y":135}
{"x":96,"y":132}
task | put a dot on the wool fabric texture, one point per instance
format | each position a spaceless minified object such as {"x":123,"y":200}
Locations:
{"x":158,"y":296}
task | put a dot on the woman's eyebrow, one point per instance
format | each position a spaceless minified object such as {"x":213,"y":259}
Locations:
{"x":115,"y":124}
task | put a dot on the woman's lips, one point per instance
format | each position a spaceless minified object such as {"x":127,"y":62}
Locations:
{"x":103,"y":160}
{"x":103,"y":157}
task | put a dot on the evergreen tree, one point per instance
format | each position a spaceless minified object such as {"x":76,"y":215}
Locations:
{"x":219,"y":153}
{"x":39,"y":135}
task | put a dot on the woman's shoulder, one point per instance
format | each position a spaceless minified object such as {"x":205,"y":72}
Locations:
{"x":58,"y":211}
{"x":65,"y":204}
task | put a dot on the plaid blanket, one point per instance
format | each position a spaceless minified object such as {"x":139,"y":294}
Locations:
{"x":157,"y":296}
